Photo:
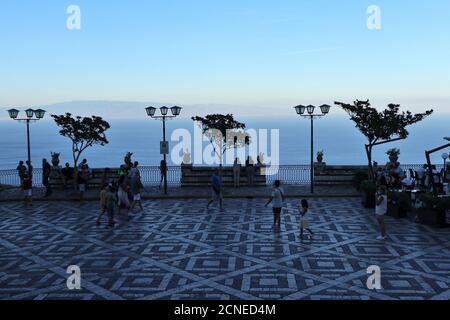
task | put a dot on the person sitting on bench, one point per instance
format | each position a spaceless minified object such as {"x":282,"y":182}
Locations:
{"x":67,"y":174}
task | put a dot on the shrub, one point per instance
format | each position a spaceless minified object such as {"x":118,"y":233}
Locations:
{"x":401,"y":199}
{"x":368,"y":187}
{"x":435,"y":203}
{"x":358,"y":178}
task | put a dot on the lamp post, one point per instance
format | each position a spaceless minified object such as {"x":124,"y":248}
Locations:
{"x":444,"y":157}
{"x":38,"y":115}
{"x":151,"y":111}
{"x":325,"y":109}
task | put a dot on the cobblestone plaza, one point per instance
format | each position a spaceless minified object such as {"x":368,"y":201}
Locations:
{"x":176,"y":249}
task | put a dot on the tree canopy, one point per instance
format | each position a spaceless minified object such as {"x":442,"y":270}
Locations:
{"x":223,"y":132}
{"x":83,"y":132}
{"x":381,"y":126}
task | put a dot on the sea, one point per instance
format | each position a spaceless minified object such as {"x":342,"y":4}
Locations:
{"x":341,"y":142}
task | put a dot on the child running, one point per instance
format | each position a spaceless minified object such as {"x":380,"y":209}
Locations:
{"x":103,"y":202}
{"x":304,"y":224}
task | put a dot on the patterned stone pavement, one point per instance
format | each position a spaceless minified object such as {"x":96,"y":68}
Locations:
{"x":178,"y":250}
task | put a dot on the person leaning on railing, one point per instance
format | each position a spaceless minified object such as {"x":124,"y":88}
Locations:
{"x":21,"y":171}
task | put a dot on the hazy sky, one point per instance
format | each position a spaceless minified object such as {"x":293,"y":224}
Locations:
{"x":242,"y":52}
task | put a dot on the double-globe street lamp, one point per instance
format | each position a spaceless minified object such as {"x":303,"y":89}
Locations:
{"x":31,"y":116}
{"x":164,"y":146}
{"x":325,"y":109}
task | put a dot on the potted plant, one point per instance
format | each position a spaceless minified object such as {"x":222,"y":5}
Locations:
{"x":320,"y":156}
{"x":368,"y":191}
{"x":399,"y":204}
{"x":433,"y":209}
{"x":393,"y":155}
{"x":358,"y":178}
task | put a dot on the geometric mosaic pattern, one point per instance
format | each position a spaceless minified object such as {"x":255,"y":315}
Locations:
{"x":176,"y":249}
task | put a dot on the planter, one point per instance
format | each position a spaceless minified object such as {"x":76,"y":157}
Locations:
{"x":319,"y":167}
{"x":396,"y":211}
{"x":431,"y":217}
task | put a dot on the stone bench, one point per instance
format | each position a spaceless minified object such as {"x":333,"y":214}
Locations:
{"x":94,"y":182}
{"x":335,"y":175}
{"x":201,"y":176}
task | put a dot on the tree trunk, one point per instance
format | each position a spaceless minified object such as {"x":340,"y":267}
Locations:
{"x":75,"y":171}
{"x":369,"y":159}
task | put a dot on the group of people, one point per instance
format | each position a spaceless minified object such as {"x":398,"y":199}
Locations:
{"x":251,"y":170}
{"x":397,"y":178}
{"x":277,"y":200}
{"x":123,"y":193}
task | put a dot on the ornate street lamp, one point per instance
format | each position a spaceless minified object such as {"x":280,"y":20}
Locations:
{"x":151,"y":111}
{"x":38,"y":115}
{"x":300,"y":110}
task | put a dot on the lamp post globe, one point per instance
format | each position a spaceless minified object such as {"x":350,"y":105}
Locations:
{"x":150,"y":111}
{"x":310,"y":109}
{"x":300,"y":109}
{"x":29,"y":112}
{"x":325,"y":109}
{"x":175,"y":110}
{"x":164,"y":110}
{"x":13,"y":113}
{"x":39,"y":113}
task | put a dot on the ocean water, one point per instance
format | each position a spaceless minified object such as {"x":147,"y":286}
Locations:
{"x":341,"y":142}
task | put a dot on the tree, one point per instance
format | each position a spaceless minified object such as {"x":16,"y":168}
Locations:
{"x":223,"y":132}
{"x":381,"y":127}
{"x":83,"y":132}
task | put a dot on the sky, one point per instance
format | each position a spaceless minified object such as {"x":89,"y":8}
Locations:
{"x":254,"y":53}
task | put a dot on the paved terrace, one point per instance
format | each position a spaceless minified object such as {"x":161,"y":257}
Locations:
{"x":176,"y":249}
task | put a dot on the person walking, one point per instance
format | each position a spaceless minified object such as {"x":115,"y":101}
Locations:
{"x":122,"y":193}
{"x":216,"y":190}
{"x":111,"y":201}
{"x":236,"y":172}
{"x":27,"y":187}
{"x":277,"y":199}
{"x":103,"y":202}
{"x":381,"y":210}
{"x":21,"y":171}
{"x":136,"y":187}
{"x":46,"y":170}
{"x":304,"y":224}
